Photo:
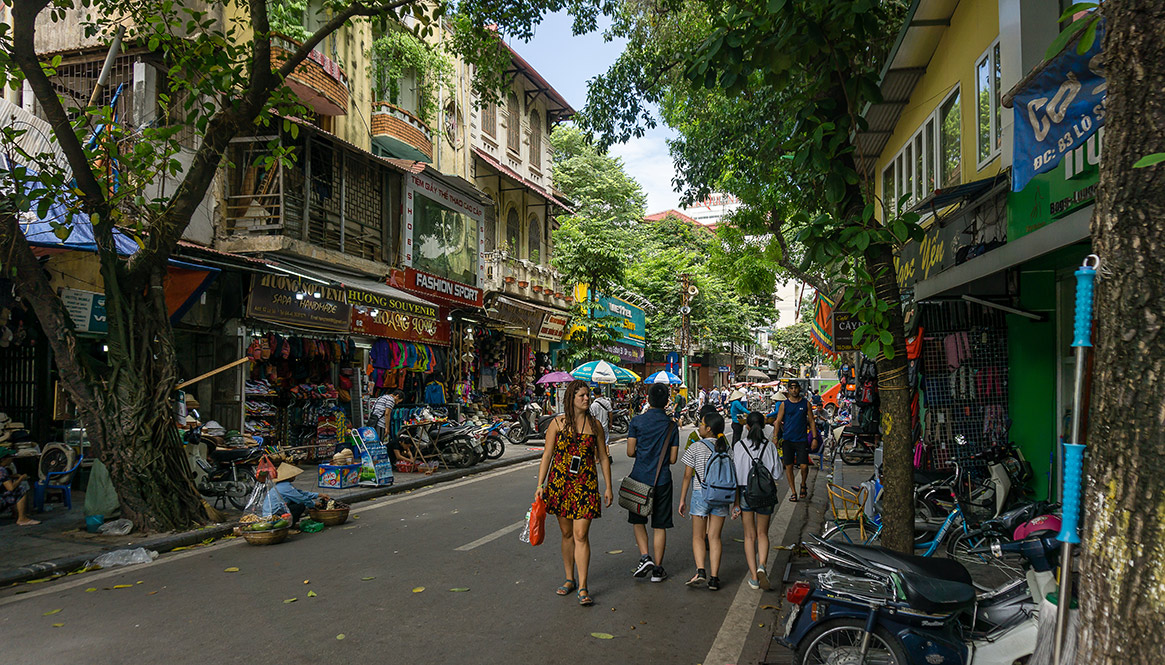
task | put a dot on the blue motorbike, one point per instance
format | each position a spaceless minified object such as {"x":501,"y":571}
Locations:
{"x":873,"y":605}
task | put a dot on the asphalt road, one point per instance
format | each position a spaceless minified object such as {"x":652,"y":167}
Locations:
{"x":185,"y":608}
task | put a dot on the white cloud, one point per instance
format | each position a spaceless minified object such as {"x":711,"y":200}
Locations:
{"x":647,"y":160}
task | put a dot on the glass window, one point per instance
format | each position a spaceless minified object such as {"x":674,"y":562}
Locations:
{"x":998,"y":83}
{"x":949,"y":142}
{"x":908,"y":174}
{"x":899,"y":187}
{"x":513,"y":233}
{"x":928,"y":150}
{"x":445,"y":241}
{"x":983,"y":108}
{"x":535,"y":240}
{"x":888,"y":192}
{"x":513,"y":124}
{"x":919,"y":173}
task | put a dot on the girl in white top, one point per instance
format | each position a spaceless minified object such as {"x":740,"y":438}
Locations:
{"x":756,"y":444}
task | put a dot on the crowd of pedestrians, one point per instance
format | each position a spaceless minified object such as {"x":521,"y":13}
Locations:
{"x":722,"y":479}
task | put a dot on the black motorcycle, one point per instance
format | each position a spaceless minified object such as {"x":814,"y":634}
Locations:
{"x":620,"y":421}
{"x":228,"y":474}
{"x":454,"y":443}
{"x":856,"y":445}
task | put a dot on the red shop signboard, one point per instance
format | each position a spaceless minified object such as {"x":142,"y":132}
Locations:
{"x":398,"y":325}
{"x":432,"y":286}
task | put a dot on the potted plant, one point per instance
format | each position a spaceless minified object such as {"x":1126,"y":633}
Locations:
{"x":510,"y":279}
{"x":559,"y":294}
{"x":537,"y":288}
{"x":523,"y":284}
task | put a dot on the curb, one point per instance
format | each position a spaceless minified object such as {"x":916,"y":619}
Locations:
{"x":168,"y":542}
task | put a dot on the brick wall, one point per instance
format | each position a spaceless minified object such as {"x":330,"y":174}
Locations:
{"x":312,"y":75}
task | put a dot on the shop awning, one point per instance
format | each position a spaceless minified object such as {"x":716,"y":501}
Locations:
{"x":1067,"y":231}
{"x":967,"y":191}
{"x":524,"y":315}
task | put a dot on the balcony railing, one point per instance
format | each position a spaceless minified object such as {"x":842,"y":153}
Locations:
{"x":401,"y":133}
{"x":525,"y":279}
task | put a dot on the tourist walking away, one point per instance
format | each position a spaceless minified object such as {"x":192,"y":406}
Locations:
{"x":653,"y":439}
{"x":568,"y":482}
{"x":737,"y":412}
{"x":794,"y":429}
{"x":601,"y":410}
{"x":711,"y":474}
{"x":757,"y":469}
{"x":14,"y":489}
{"x":701,"y":398}
{"x":714,"y":397}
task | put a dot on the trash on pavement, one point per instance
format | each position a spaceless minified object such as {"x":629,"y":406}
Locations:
{"x":124,"y":558}
{"x":120,"y":527}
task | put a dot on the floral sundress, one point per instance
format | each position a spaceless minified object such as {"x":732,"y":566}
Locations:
{"x":573,"y":495}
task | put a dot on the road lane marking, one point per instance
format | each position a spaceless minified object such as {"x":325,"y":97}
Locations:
{"x":87,"y":579}
{"x":493,"y":536}
{"x":729,"y":642}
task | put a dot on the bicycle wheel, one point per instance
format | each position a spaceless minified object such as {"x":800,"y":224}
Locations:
{"x":958,"y":548}
{"x":853,"y":532}
{"x":239,"y":491}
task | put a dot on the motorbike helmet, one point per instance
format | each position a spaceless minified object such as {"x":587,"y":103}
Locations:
{"x":1044,"y":525}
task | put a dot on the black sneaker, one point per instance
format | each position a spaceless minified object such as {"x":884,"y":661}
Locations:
{"x":644,"y":567}
{"x":658,"y":574}
{"x":713,"y":583}
{"x":698,"y":580}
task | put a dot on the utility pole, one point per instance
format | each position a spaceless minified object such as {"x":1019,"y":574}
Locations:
{"x":687,"y":292}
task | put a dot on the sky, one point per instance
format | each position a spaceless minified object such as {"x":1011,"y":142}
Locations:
{"x":568,"y":62}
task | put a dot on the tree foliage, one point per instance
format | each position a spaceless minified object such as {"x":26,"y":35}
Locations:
{"x":399,"y":53}
{"x":794,"y":345}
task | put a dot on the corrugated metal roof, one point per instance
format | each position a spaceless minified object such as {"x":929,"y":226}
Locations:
{"x":916,"y":44}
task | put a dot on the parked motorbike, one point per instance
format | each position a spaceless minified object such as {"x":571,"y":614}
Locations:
{"x":620,"y":421}
{"x":492,"y":438}
{"x":855,"y":445}
{"x":874,"y":605}
{"x":229,"y":475}
{"x":453,"y":443}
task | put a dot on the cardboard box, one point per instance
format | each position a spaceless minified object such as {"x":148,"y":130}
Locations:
{"x":339,"y":477}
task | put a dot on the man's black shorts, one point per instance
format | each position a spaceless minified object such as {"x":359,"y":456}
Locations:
{"x":661,"y":509}
{"x":795,"y":452}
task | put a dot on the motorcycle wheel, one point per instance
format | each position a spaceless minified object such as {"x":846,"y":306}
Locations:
{"x":519,"y":432}
{"x":239,"y":491}
{"x":840,"y":641}
{"x":851,"y":452}
{"x":459,"y":454}
{"x":494,"y":447}
{"x":619,"y":425}
{"x":830,"y":411}
{"x":958,"y":548}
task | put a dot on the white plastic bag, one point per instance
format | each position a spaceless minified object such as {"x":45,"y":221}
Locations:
{"x":266,"y":501}
{"x":124,"y":558}
{"x":120,"y":527}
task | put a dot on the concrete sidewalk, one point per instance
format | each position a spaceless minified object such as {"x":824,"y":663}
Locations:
{"x":60,"y":544}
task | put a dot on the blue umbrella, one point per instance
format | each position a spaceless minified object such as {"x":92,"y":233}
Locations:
{"x":664,"y":376}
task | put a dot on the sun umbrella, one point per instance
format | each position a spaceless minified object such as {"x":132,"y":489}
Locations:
{"x":556,"y":377}
{"x":663,"y":376}
{"x":601,"y":371}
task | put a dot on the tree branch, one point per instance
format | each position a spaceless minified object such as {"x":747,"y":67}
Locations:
{"x":24,"y":13}
{"x":775,"y":227}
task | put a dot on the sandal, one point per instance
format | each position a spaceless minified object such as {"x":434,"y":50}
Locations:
{"x":804,"y":492}
{"x":566,"y":588}
{"x":793,"y":498}
{"x":584,"y":598}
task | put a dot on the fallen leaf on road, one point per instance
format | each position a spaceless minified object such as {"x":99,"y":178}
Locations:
{"x":290,"y":600}
{"x":355,"y":517}
{"x":418,"y":589}
{"x":768,"y":607}
{"x":151,"y":593}
{"x":232,"y":569}
{"x":179,"y":549}
{"x":307,"y":581}
{"x":614,"y":551}
{"x":760,"y":625}
{"x":52,"y":612}
{"x":739,"y":540}
{"x":92,"y":588}
{"x":603,"y":636}
{"x":58,"y":625}
{"x":312,"y":594}
{"x":341,"y":636}
{"x":365,"y":579}
{"x":43,"y":579}
{"x":460,"y":588}
{"x":139,"y":582}
{"x":122,"y":586}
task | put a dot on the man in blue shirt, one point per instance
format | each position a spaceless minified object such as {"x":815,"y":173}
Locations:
{"x":737,"y":413}
{"x":790,"y":419}
{"x":647,"y":437}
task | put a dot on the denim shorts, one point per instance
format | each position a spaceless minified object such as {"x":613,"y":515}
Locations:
{"x":700,"y":507}
{"x":759,"y":511}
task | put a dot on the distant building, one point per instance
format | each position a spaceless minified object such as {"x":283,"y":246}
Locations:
{"x":713,"y":209}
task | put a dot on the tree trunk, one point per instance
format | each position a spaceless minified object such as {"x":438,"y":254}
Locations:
{"x":125,"y":405}
{"x":1123,"y":550}
{"x":894,"y":401}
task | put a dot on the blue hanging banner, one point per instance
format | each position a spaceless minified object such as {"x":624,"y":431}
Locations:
{"x":1058,"y":110}
{"x":672,"y":360}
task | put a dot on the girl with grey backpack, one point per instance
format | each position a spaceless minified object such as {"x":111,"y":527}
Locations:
{"x":758,"y":465}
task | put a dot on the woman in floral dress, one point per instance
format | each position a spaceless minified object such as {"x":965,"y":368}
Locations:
{"x":568,"y":482}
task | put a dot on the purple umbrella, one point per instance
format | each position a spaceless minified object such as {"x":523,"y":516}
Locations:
{"x":556,"y":377}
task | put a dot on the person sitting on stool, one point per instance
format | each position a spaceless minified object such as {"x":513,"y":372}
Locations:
{"x":297,"y":500}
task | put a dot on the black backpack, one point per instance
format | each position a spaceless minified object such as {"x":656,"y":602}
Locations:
{"x":760,"y":490}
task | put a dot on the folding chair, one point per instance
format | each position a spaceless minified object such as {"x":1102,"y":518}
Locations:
{"x":847,"y":508}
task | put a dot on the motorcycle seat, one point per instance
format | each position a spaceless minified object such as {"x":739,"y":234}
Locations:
{"x":926,"y":477}
{"x":942,"y":569}
{"x":231,"y":454}
{"x":856,"y":430}
{"x":936,"y":596}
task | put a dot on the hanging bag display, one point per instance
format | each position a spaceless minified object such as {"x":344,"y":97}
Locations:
{"x":638,"y":497}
